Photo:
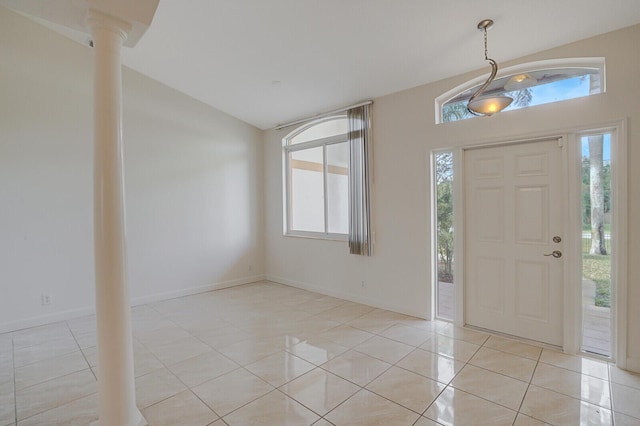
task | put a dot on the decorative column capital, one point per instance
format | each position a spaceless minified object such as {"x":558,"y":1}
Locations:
{"x":99,"y":21}
{"x":131,"y":17}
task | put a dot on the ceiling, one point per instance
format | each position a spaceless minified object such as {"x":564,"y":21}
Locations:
{"x":271,"y":61}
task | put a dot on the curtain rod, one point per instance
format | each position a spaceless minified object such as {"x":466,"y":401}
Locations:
{"x":324,"y":114}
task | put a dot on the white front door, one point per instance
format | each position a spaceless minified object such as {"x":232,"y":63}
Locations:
{"x":513,"y":212}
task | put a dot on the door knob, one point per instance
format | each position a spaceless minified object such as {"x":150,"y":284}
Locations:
{"x":555,"y":253}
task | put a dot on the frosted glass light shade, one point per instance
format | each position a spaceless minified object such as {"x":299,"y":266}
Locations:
{"x":520,"y":81}
{"x":489,"y":105}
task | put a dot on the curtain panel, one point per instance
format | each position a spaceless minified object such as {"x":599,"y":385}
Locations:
{"x":360,"y":241}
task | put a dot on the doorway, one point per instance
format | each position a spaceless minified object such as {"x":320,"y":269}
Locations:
{"x":514,"y":209}
{"x":499,"y":269}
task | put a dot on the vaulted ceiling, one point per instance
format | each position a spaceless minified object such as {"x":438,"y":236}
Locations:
{"x":270,"y":61}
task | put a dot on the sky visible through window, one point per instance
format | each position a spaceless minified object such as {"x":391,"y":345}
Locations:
{"x":569,"y":88}
{"x":560,"y":90}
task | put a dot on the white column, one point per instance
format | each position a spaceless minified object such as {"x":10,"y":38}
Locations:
{"x":115,"y":349}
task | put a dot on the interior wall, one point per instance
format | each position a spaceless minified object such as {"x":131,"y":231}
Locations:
{"x":398,"y":275}
{"x":193,"y":184}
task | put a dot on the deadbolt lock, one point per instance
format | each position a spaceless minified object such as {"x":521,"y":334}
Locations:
{"x":557,"y":239}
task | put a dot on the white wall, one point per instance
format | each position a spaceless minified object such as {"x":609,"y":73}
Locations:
{"x":398,"y":275}
{"x":193,"y":181}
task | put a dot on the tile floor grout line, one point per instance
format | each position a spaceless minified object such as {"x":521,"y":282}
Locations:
{"x":483,"y":398}
{"x":58,"y":406}
{"x":15,"y":390}
{"x":497,"y":372}
{"x":528,"y":386}
{"x":171,"y":396}
{"x":336,"y":407}
{"x":449,"y":382}
{"x":350,"y":381}
{"x":525,"y":393}
{"x":53,"y":378}
{"x":292,"y":397}
{"x":249,"y":402}
{"x":303,"y":404}
{"x":206,"y":405}
{"x":133,"y":340}
{"x":573,"y":371}
{"x":610,"y":408}
{"x":426,"y":377}
{"x":419,"y":413}
{"x":478,"y":396}
{"x":384,"y":397}
{"x":613,"y":416}
{"x":185,"y":330}
{"x":41,"y":360}
{"x":362,"y":388}
{"x":95,"y":376}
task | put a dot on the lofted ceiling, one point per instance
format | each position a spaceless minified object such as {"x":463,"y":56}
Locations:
{"x":271,"y":61}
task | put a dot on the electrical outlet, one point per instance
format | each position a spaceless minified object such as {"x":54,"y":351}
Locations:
{"x":45,"y":299}
{"x":364,"y":284}
{"x":249,"y":267}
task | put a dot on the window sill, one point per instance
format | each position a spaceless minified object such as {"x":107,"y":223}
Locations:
{"x":318,"y":236}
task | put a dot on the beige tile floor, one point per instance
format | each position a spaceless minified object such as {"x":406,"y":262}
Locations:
{"x":268,"y":354}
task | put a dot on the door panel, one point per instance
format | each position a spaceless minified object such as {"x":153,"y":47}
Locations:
{"x":490,"y":226}
{"x":490,"y":273}
{"x":513,"y":209}
{"x":532,"y":217}
{"x":532,"y":291}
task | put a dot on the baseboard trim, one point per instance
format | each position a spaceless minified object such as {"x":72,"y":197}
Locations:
{"x":46,"y":319}
{"x":633,"y":364}
{"x":89,"y":310}
{"x":143,"y":300}
{"x":346,"y":296}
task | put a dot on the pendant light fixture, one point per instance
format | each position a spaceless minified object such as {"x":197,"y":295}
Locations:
{"x":487,"y":105}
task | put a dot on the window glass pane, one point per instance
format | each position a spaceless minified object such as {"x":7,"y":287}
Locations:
{"x":307,"y":190}
{"x":596,"y":244}
{"x":444,"y":231}
{"x":325,"y":129}
{"x":338,"y":188}
{"x":530,"y":89}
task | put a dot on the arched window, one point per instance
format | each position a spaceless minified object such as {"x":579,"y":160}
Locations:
{"x":531,"y":84}
{"x":317,"y":179}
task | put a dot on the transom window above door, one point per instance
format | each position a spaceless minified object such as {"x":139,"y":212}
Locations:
{"x":528,"y":85}
{"x":317,"y":179}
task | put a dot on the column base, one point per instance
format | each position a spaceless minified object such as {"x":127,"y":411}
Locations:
{"x":141,"y":421}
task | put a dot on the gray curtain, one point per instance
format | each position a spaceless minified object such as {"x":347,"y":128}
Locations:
{"x":360,"y":241}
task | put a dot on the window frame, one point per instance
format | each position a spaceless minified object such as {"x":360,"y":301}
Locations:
{"x":435,"y":305}
{"x":587,"y":62}
{"x":289,"y":148}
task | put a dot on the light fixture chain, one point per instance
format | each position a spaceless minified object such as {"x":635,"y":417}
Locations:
{"x":486,"y":57}
{"x":487,"y":105}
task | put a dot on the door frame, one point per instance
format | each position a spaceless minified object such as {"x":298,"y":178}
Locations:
{"x":556,"y":148}
{"x":572,"y":303}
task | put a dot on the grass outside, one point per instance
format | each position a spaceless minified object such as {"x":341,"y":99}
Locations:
{"x":597,"y":268}
{"x":586,"y":227}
